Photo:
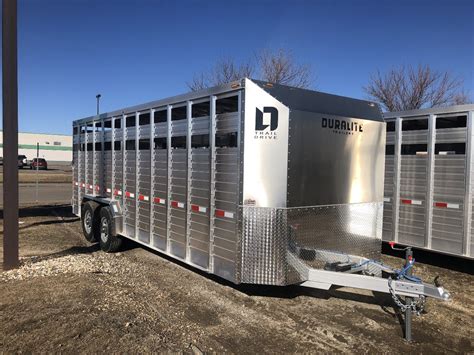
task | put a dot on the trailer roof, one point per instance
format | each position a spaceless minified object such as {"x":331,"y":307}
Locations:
{"x":320,"y":102}
{"x":178,"y":99}
{"x":294,"y":98}
{"x":430,"y":111}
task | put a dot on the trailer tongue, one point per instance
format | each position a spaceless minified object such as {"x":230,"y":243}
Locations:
{"x":254,"y":182}
{"x":356,"y":272}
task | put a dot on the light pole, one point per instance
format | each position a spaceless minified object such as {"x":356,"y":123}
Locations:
{"x":98,"y":102}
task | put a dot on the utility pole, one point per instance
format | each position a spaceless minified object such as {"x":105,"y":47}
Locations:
{"x":98,"y":102}
{"x":10,"y":134}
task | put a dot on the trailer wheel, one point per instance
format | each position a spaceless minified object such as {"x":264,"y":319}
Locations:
{"x":108,"y":241}
{"x":90,"y":221}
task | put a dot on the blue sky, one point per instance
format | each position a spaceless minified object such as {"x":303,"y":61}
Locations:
{"x":136,"y":51}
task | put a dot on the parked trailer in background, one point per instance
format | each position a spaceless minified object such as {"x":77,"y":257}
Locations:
{"x":254,"y":182}
{"x":429,"y":179}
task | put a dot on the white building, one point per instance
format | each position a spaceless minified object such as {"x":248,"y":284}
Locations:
{"x":52,"y":147}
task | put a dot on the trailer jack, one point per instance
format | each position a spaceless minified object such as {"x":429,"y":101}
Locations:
{"x":408,"y":292}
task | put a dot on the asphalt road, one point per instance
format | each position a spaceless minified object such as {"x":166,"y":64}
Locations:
{"x":47,"y":194}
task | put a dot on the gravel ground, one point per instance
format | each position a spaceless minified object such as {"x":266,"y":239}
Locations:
{"x":68,"y":296}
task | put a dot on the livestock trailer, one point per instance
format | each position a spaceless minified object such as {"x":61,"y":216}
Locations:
{"x":254,"y":182}
{"x":429,"y":179}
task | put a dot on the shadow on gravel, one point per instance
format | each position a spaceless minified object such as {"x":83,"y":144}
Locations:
{"x":445,"y":261}
{"x":382,"y":300}
{"x":70,"y":251}
{"x":49,"y":222}
{"x":44,"y":210}
{"x":287,"y":292}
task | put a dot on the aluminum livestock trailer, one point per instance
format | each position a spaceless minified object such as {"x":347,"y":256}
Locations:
{"x":429,"y":179}
{"x":254,"y":182}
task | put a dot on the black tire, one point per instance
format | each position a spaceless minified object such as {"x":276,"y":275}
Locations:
{"x":108,"y":240}
{"x":90,"y":221}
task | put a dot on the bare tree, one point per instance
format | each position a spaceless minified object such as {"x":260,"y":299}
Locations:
{"x":280,"y":67}
{"x":409,"y":88}
{"x":277,"y":67}
{"x":199,"y":82}
{"x":225,"y":71}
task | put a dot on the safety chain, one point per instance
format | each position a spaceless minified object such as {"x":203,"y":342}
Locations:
{"x":416,"y":306}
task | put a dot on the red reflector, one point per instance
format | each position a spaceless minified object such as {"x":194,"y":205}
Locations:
{"x":195,"y":208}
{"x":220,"y":213}
{"x":392,"y":244}
{"x":174,"y":203}
{"x":406,"y":202}
{"x":441,"y":204}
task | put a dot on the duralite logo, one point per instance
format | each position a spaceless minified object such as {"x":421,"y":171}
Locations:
{"x":340,"y":126}
{"x":266,"y":123}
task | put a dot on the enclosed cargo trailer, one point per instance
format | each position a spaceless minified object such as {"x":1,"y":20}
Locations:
{"x":254,"y":182}
{"x":429,"y":179}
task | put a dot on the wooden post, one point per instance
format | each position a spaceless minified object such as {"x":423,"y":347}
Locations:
{"x":10,"y":134}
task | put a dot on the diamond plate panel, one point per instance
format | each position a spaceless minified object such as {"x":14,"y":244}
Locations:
{"x":279,"y":244}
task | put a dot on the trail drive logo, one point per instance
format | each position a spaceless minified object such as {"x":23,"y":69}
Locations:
{"x":262,"y":130}
{"x":340,"y":126}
